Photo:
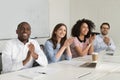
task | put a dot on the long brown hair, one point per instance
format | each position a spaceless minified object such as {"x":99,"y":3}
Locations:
{"x":54,"y":38}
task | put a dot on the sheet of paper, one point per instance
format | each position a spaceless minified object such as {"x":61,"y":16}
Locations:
{"x":111,"y":76}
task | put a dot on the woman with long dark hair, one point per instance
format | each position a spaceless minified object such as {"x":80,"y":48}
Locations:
{"x":57,"y":47}
{"x":83,"y":41}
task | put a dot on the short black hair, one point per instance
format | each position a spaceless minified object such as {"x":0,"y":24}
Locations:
{"x":75,"y":32}
{"x":105,"y":23}
{"x":21,"y":24}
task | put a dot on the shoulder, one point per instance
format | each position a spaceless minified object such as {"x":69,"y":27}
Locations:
{"x":48,"y":42}
{"x":11,"y":42}
{"x":33,"y":41}
{"x":76,"y":42}
{"x":98,"y":37}
{"x":75,"y":39}
{"x":48,"y":45}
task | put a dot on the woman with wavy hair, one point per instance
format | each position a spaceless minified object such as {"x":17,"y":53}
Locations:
{"x":83,"y":40}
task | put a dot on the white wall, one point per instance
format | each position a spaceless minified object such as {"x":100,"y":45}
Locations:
{"x":58,"y":12}
{"x":98,"y":11}
{"x":69,"y":11}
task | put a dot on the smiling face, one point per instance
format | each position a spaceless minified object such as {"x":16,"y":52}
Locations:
{"x":61,"y":32}
{"x":23,"y":31}
{"x":84,"y":29}
{"x":105,"y":29}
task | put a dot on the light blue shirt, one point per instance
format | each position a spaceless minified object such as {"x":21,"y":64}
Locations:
{"x":99,"y":44}
{"x":51,"y":52}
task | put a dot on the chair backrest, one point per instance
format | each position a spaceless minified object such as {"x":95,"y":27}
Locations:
{"x":42,"y":46}
{"x":0,"y":62}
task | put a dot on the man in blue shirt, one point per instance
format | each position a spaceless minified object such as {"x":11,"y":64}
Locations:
{"x":103,"y":41}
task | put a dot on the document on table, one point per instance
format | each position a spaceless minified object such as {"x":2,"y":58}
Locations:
{"x":108,"y":67}
{"x":111,"y":76}
{"x":32,"y":75}
{"x":38,"y":73}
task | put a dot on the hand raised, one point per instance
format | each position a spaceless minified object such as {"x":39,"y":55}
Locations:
{"x":106,"y":40}
{"x":68,"y":42}
{"x":91,"y":38}
{"x":31,"y":47}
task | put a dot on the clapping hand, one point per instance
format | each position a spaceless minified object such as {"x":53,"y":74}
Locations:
{"x":32,"y":51}
{"x":91,"y":38}
{"x":31,"y":48}
{"x":106,"y":40}
{"x":68,"y":42}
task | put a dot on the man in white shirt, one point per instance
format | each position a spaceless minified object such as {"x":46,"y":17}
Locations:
{"x":103,"y":41}
{"x":20,"y":53}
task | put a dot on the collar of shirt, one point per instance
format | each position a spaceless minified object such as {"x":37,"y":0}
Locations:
{"x":102,"y":35}
{"x":23,"y":43}
{"x":81,"y":40}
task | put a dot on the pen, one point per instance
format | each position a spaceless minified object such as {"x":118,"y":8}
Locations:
{"x":42,"y":72}
{"x":25,"y":76}
{"x":84,"y":74}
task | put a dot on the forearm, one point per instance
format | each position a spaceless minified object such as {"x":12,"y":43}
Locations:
{"x":42,"y":60}
{"x":91,"y":49}
{"x":34,"y":55}
{"x":68,"y":52}
{"x":86,"y":50}
{"x":25,"y":61}
{"x":111,"y":47}
{"x":60,"y":52}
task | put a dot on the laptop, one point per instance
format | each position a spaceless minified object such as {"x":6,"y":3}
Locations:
{"x":89,"y":64}
{"x":93,"y":64}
